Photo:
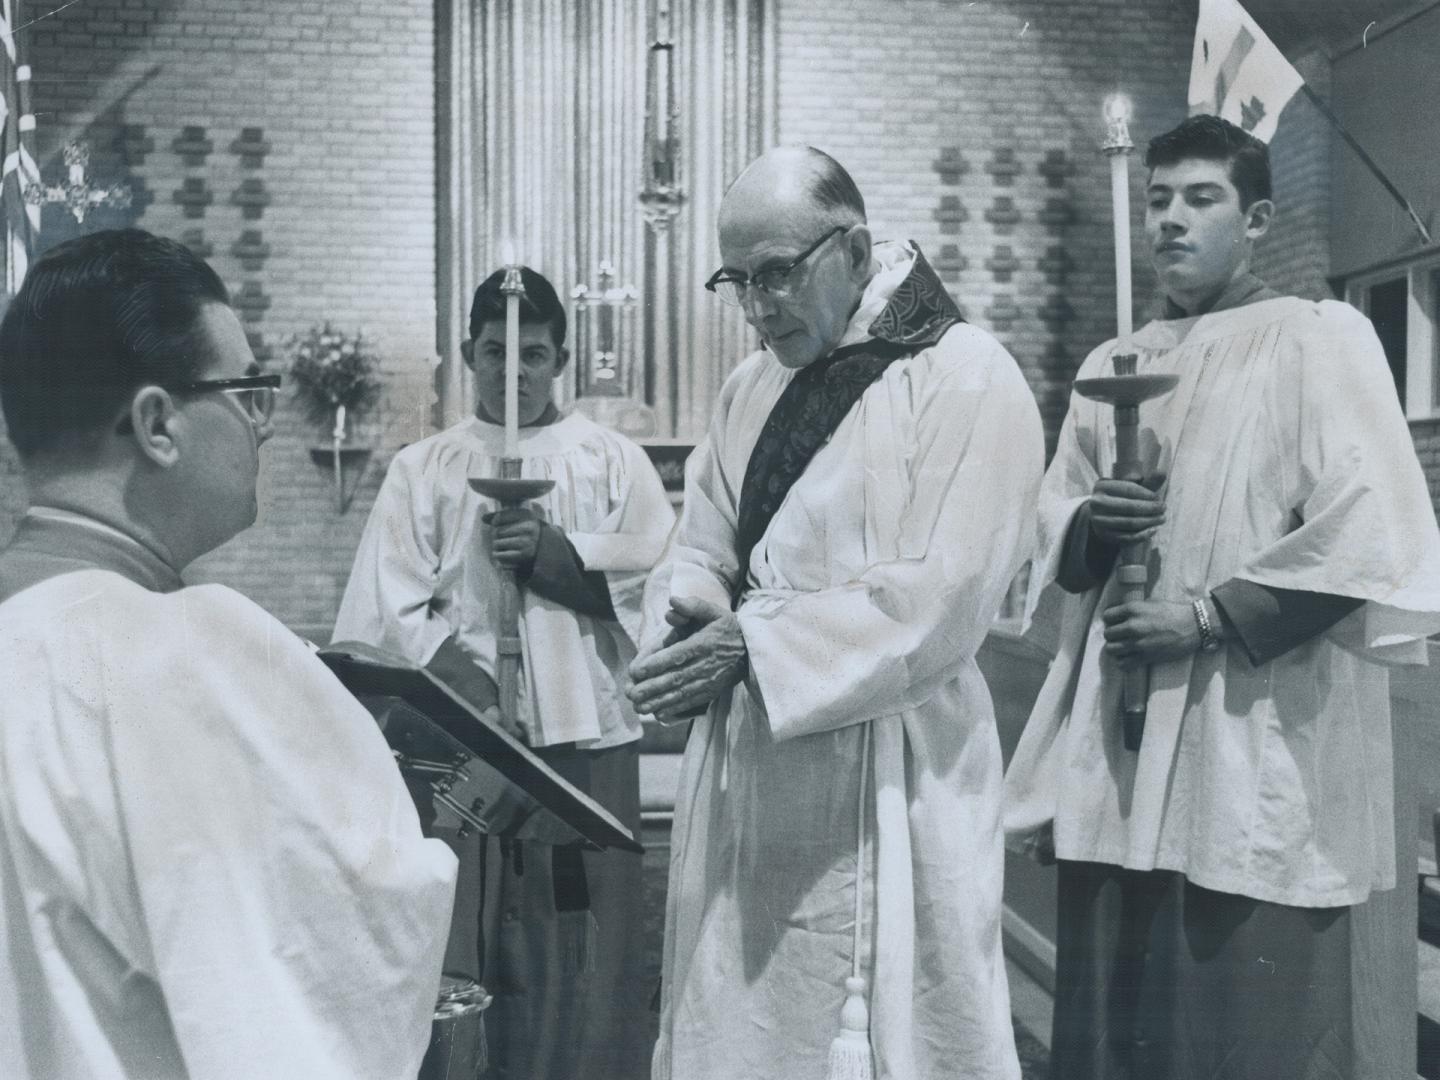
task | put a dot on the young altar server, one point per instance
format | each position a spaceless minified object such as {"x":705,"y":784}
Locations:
{"x":209,"y":864}
{"x":427,"y":583}
{"x":1205,"y":882}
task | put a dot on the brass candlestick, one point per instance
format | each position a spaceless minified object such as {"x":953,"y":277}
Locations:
{"x":1125,"y":390}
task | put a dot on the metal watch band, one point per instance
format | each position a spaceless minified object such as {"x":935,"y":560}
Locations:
{"x":1208,"y":641}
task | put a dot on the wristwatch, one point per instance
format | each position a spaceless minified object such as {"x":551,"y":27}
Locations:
{"x":1209,"y":640}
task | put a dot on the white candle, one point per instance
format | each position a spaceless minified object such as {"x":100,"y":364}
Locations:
{"x":339,"y":422}
{"x":512,"y":359}
{"x":1117,"y":115}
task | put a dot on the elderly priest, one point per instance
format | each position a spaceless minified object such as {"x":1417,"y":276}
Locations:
{"x":209,"y":863}
{"x":850,"y":527}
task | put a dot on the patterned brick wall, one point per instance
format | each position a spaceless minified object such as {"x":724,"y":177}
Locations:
{"x":972,"y":128}
{"x":12,"y":488}
{"x":294,"y":147}
{"x":1426,"y":434}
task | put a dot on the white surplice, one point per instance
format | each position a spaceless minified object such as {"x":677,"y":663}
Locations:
{"x":873,"y":587}
{"x":423,"y":571}
{"x":209,"y":864}
{"x":1290,"y":465}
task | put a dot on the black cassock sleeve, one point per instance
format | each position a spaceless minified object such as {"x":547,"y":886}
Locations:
{"x":559,"y":575}
{"x":1268,"y":622}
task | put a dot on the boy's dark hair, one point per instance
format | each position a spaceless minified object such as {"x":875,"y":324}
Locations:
{"x":1213,"y":139}
{"x":540,"y":304}
{"x":98,"y":317}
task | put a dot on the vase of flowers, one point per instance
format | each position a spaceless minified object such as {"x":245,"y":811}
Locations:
{"x":334,"y":374}
{"x":336,"y":380}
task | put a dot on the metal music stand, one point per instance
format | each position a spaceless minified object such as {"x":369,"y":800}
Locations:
{"x":481,"y":778}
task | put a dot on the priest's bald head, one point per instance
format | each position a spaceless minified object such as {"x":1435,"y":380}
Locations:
{"x":130,"y":392}
{"x":795,"y":251}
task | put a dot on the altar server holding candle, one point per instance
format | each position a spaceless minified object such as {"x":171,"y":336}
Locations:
{"x":427,"y":583}
{"x":1206,"y":880}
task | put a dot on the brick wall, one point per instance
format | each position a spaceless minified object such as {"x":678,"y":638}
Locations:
{"x":973,"y":128}
{"x":328,"y":211}
{"x":1426,"y":434}
{"x":12,"y":488}
{"x":1294,"y":257}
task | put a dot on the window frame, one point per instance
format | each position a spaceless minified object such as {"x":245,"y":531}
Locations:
{"x":1422,"y":356}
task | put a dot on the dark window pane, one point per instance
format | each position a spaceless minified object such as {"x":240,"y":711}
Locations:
{"x":1388,"y":307}
{"x":1434,"y":316}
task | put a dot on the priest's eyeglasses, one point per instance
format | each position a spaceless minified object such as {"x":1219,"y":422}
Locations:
{"x":255,"y":393}
{"x":776,"y":282}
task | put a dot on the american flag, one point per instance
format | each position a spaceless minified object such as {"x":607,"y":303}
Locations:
{"x":22,"y":219}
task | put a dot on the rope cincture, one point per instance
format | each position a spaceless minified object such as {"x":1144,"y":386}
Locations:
{"x":851,"y":1056}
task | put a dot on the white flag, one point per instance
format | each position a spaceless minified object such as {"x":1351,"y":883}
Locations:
{"x":1236,"y":72}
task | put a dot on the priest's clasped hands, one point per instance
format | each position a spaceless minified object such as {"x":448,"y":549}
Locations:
{"x":1145,"y":631}
{"x":701,"y":657}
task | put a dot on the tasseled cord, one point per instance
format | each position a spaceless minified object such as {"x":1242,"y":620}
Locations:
{"x":851,"y":1057}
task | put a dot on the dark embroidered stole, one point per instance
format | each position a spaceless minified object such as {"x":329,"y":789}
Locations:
{"x":800,"y":423}
{"x":822,"y":394}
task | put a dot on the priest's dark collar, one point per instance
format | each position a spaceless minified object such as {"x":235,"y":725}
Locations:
{"x":919,"y":311}
{"x":49,"y":542}
{"x":1243,"y":289}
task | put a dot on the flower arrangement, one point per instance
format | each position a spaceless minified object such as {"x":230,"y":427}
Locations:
{"x":334,"y":374}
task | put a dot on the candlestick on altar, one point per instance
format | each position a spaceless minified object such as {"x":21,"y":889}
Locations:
{"x":661,"y":200}
{"x":337,"y":436}
{"x":511,"y":492}
{"x":660,"y":102}
{"x":1125,"y":390}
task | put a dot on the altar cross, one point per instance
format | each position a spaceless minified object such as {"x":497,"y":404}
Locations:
{"x":76,"y":193}
{"x":606,"y":300}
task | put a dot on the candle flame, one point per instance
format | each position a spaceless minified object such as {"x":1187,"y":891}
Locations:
{"x":1117,"y":108}
{"x":507,"y":253}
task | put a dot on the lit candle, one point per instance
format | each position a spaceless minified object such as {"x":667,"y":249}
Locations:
{"x":512,"y":288}
{"x":1117,"y":147}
